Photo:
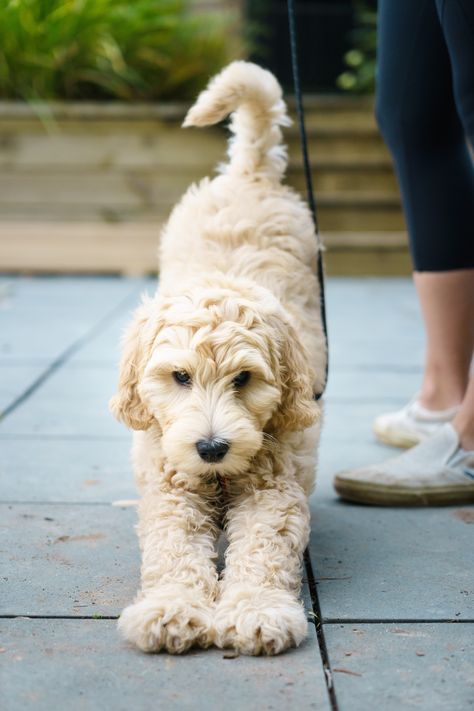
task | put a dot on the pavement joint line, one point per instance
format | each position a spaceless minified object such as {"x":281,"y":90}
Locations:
{"x":66,"y":355}
{"x":317,"y":621}
{"x":65,"y":437}
{"x":398,"y":620}
{"x":61,"y":503}
{"x":97,"y":616}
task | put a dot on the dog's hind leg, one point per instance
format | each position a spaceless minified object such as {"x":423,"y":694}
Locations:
{"x":174,"y":608}
{"x":258,"y":611}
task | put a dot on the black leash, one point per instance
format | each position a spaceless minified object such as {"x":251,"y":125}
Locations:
{"x":309,"y":180}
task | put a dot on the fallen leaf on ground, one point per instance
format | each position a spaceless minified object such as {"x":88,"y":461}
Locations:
{"x":465,"y":515}
{"x":346,"y":671}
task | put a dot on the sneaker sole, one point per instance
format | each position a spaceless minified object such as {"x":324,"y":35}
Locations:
{"x":379,"y":495}
{"x":396,"y":439}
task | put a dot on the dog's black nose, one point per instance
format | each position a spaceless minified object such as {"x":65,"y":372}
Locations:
{"x":212,"y":450}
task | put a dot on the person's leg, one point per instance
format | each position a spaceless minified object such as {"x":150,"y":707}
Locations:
{"x":447,"y":303}
{"x":418,"y":117}
{"x":417,"y":114}
{"x":447,"y":297}
{"x":457,"y":21}
{"x":463,"y":423}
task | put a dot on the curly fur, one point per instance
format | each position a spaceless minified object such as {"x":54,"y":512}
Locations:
{"x":237,"y":293}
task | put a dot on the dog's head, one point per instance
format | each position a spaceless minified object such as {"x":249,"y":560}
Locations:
{"x":216,"y":369}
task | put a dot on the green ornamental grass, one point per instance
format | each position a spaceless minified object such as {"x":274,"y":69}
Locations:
{"x":131,"y":50}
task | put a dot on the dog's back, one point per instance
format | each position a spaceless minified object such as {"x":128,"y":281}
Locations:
{"x":244,"y":220}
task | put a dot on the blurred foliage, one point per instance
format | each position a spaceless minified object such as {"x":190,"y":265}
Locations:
{"x":140,"y":50}
{"x":360,"y":61}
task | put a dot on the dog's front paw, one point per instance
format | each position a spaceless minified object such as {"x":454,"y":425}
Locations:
{"x":259,"y":620}
{"x":168,"y":620}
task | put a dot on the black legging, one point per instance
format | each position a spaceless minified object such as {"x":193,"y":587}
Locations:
{"x":425,"y":110}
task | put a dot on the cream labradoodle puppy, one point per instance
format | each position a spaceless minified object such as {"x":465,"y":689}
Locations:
{"x":217,"y":376}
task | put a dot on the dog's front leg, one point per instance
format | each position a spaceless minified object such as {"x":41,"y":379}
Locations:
{"x":259,"y":611}
{"x":174,"y":607}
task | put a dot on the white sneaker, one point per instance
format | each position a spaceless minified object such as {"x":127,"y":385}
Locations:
{"x":411,"y":425}
{"x":436,"y":471}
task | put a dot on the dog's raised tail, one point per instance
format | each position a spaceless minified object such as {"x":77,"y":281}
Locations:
{"x":254,"y":98}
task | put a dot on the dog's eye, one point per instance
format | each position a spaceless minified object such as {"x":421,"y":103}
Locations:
{"x":182,"y":377}
{"x":241,"y":379}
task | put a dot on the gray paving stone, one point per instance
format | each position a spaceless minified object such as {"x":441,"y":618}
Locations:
{"x":354,"y":304}
{"x":347,"y":440}
{"x":82,"y":559}
{"x":373,"y":323}
{"x":402,"y":666}
{"x":73,"y":401}
{"x":46,"y":293}
{"x":15,"y":380}
{"x":353,"y":385}
{"x":105,"y":346}
{"x":387,"y":564}
{"x":41,"y":317}
{"x":369,"y":352}
{"x":49,"y":664}
{"x":335,"y":457}
{"x":65,"y":470}
{"x":68,"y":560}
{"x":347,"y":436}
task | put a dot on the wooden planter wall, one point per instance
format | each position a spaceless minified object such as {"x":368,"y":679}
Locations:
{"x":87,"y":189}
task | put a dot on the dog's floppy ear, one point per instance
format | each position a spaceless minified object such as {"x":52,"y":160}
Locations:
{"x":127,"y":405}
{"x":297,"y":409}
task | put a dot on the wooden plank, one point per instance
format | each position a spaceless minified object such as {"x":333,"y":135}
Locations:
{"x":134,"y":190}
{"x":75,"y":247}
{"x":321,"y":104}
{"x":135,"y":144}
{"x":96,"y":185}
{"x":364,"y":240}
{"x":105,"y":145}
{"x":318,"y":106}
{"x":341,"y":178}
{"x":84,"y":664}
{"x":131,"y":247}
{"x":96,"y":189}
{"x":92,"y":111}
{"x":334,"y":216}
{"x":401,"y":666}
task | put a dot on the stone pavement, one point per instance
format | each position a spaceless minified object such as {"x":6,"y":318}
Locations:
{"x":394,"y":587}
